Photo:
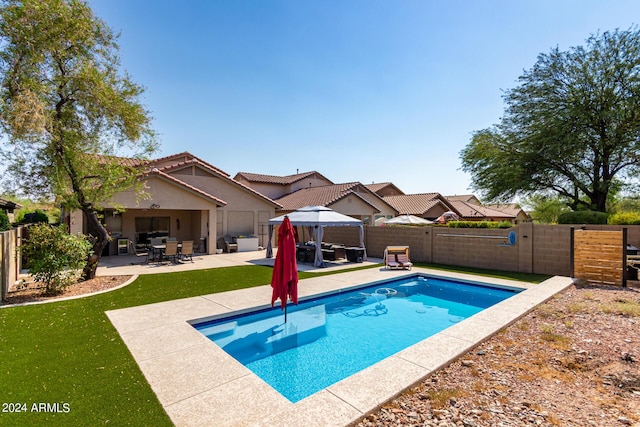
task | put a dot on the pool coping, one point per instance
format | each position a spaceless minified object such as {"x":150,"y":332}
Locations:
{"x":199,"y":384}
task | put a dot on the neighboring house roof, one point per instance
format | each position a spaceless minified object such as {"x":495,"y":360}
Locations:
{"x":472,"y":211}
{"x":323,"y":196}
{"x":184,"y":160}
{"x":510,"y":208}
{"x":418,"y":204}
{"x":282,"y":180}
{"x":124,"y":161}
{"x":469,"y":198}
{"x":381,"y":187}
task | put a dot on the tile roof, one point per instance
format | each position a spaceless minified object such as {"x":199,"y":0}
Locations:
{"x":377,"y":186}
{"x":472,"y":211}
{"x":273,"y":179}
{"x":416,"y":204}
{"x":124,"y":161}
{"x":510,"y":208}
{"x":221,"y":174}
{"x":463,"y":198}
{"x":167,"y":177}
{"x":184,"y":157}
{"x":320,"y":196}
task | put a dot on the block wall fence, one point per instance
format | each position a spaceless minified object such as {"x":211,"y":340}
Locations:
{"x":539,"y":248}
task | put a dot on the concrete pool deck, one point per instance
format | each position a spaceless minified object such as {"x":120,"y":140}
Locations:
{"x":199,"y":384}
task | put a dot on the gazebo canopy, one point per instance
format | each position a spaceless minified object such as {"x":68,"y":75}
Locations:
{"x":317,"y":217}
{"x":311,"y":216}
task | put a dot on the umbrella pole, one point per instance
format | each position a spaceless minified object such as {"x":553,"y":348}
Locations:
{"x":286,"y":298}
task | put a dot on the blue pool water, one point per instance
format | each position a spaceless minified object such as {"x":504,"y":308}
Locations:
{"x":329,"y":338}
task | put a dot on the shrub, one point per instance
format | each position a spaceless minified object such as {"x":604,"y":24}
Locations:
{"x":628,"y":218}
{"x":479,"y":224}
{"x":4,"y":221}
{"x":583,"y":217}
{"x":54,"y":257}
{"x":34,"y":217}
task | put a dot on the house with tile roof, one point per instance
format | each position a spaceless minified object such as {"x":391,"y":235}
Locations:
{"x":472,"y":209}
{"x":352,"y":199}
{"x":186,"y":198}
{"x":314,"y":189}
{"x":278,"y":186}
{"x":469,"y":198}
{"x":425,"y":205}
{"x":513,"y":209}
{"x":472,"y":212}
{"x":384,"y":189}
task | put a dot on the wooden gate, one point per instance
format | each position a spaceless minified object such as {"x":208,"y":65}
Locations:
{"x":599,"y":256}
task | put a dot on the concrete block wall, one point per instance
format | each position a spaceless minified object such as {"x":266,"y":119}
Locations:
{"x":543,"y":249}
{"x":481,"y":248}
{"x":552,"y":249}
{"x":348,"y":236}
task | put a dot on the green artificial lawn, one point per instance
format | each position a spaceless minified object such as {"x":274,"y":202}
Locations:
{"x":63,"y":363}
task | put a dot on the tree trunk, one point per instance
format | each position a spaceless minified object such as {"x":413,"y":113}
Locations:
{"x":100,"y":237}
{"x":599,"y":201}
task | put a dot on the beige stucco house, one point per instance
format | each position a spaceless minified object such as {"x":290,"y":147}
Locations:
{"x":275,"y":187}
{"x":424,"y":205}
{"x":313,"y":189}
{"x":187,"y":199}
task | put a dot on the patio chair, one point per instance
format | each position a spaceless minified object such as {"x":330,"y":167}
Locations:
{"x":171,"y":250}
{"x":187,"y":250}
{"x":155,"y":241}
{"x":403,"y":260}
{"x":397,"y":257}
{"x":390,"y":260}
{"x":139,"y":253}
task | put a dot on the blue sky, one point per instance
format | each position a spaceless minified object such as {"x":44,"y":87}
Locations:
{"x":369,"y":91}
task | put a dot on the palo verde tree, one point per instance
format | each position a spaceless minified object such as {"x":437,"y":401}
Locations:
{"x":571,"y":128}
{"x":66,"y":109}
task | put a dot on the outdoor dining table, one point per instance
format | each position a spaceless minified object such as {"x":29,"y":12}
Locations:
{"x":157,"y":251}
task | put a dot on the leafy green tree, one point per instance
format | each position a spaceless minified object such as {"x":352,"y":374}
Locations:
{"x":571,"y":127}
{"x":545,"y":209}
{"x":66,"y":110}
{"x":4,"y":221}
{"x":33,"y":217}
{"x":53,"y":256}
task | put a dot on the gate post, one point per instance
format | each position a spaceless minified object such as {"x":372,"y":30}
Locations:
{"x":571,"y":253}
{"x":624,"y":258}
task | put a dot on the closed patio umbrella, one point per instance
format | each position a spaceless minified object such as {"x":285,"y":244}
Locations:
{"x":284,"y":279}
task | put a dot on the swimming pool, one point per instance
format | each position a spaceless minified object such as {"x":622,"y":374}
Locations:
{"x":331,"y":337}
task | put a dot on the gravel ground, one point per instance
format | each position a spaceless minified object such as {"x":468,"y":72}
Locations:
{"x":32,"y":291}
{"x":574,"y":361}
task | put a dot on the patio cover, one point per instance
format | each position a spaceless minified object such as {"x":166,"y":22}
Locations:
{"x":317,"y":217}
